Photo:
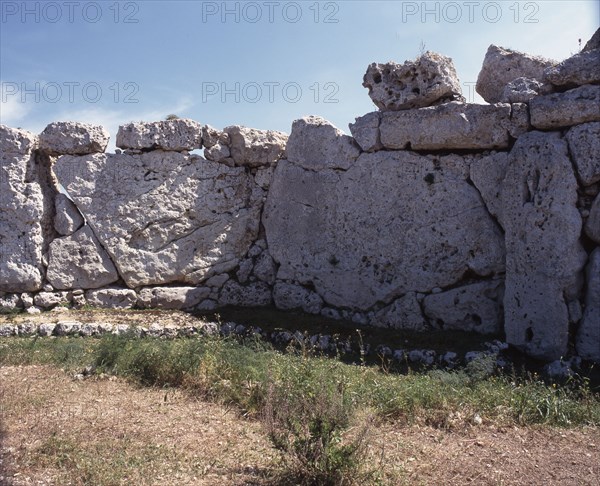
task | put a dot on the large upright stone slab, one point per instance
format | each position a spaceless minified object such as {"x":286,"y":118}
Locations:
{"x":501,"y":66}
{"x":164,"y":216}
{"x":588,"y":334}
{"x":393,"y":223}
{"x":429,"y":80}
{"x":447,"y":127}
{"x":544,"y":257}
{"x":584,"y":145}
{"x":177,"y":135}
{"x":558,"y":110}
{"x":21,"y":213}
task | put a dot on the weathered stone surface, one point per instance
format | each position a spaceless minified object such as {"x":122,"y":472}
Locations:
{"x":67,"y":219}
{"x":405,"y":313}
{"x":474,"y":307}
{"x":521,"y":90}
{"x":588,"y":334}
{"x":211,"y":136}
{"x":217,"y":153}
{"x":73,"y":138}
{"x":255,"y":294}
{"x":46,"y":329}
{"x":487,"y":173}
{"x":265,"y":268}
{"x":172,"y":297}
{"x":592,"y":225}
{"x":79,"y":262}
{"x":430,"y":79}
{"x":316,"y":144}
{"x":289,"y":296}
{"x":255,"y":148}
{"x":21,"y":213}
{"x":391,"y":224}
{"x":582,"y":68}
{"x":10,"y":302}
{"x":501,"y":66}
{"x":544,"y":257}
{"x":111,"y":298}
{"x":67,"y":328}
{"x":163,"y":216}
{"x":448,"y":126}
{"x":579,"y":105}
{"x":177,"y":135}
{"x":365,"y":131}
{"x":584,"y":146}
{"x":47,"y":300}
{"x":593,"y":43}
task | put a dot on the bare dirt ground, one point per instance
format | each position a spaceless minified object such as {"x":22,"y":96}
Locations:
{"x":57,"y":430}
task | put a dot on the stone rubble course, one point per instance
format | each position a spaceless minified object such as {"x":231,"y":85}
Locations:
{"x":255,"y":148}
{"x":394,"y":222}
{"x":67,"y":219}
{"x":588,"y":334}
{"x":544,"y":257}
{"x":172,"y":297}
{"x":21,"y":213}
{"x":582,"y":68}
{"x":522,"y":90}
{"x":163,"y":216}
{"x":171,"y":135}
{"x":475,"y":308}
{"x":329,"y":147}
{"x":429,"y":80}
{"x":501,"y":66}
{"x":111,"y":298}
{"x":79,"y":262}
{"x":73,"y":138}
{"x":557,"y":110}
{"x":448,"y":127}
{"x":584,"y":147}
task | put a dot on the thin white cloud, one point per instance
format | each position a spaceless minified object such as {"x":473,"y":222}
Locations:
{"x":12,"y":111}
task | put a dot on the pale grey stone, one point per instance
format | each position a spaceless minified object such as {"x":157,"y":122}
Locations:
{"x":519,"y":120}
{"x":8,"y":330}
{"x":244,"y":270}
{"x":48,"y":300}
{"x":588,"y":335}
{"x":395,"y":222}
{"x":584,"y":147}
{"x":593,"y":43}
{"x":33,"y":310}
{"x":78,"y":261}
{"x":78,"y":301}
{"x":521,"y":90}
{"x":10,"y":302}
{"x":255,"y":148}
{"x":172,"y":297}
{"x":255,"y":294}
{"x":592,"y":225}
{"x":544,"y":257}
{"x":474,"y":308}
{"x":211,"y":136}
{"x":316,"y":144}
{"x":46,"y":329}
{"x":217,"y":281}
{"x":217,"y":152}
{"x":264,"y":176}
{"x":405,"y":313}
{"x":448,"y":127}
{"x":28,"y":328}
{"x":207,"y":305}
{"x":289,"y":296}
{"x":557,"y":110}
{"x":582,"y":68}
{"x":163,"y":216}
{"x":428,"y":80}
{"x":265,"y":268}
{"x":21,"y":213}
{"x":68,"y":219}
{"x":365,"y":131}
{"x":487,"y":173}
{"x":88,"y":329}
{"x":27,"y":299}
{"x":111,"y":298}
{"x":501,"y":66}
{"x":176,"y":135}
{"x":67,"y":328}
{"x":73,"y":138}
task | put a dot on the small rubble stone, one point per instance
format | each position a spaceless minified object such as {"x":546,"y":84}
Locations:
{"x":255,"y":294}
{"x":48,"y":300}
{"x":289,"y":296}
{"x":67,"y":328}
{"x":522,"y":90}
{"x":172,"y":297}
{"x":172,"y":135}
{"x":255,"y":148}
{"x":111,"y":298}
{"x":73,"y":138}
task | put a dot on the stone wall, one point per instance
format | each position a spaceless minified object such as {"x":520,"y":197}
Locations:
{"x":434,"y":214}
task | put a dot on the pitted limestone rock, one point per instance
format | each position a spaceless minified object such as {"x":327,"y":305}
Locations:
{"x":501,"y":66}
{"x":584,"y":147}
{"x":365,"y":131}
{"x":73,"y":138}
{"x":592,"y":225}
{"x":404,"y":313}
{"x":429,"y":80}
{"x":255,"y":148}
{"x":557,"y":110}
{"x":487,"y":173}
{"x":521,"y":90}
{"x":449,"y":126}
{"x":21,"y":213}
{"x":255,"y":294}
{"x":289,"y":296}
{"x":588,"y":334}
{"x":164,"y":216}
{"x":430,"y":227}
{"x":172,"y":297}
{"x":111,"y":298}
{"x":475,"y":307}
{"x":171,"y":135}
{"x":544,"y":257}
{"x":67,"y":219}
{"x":79,"y":262}
{"x":316,"y":144}
{"x":582,"y":68}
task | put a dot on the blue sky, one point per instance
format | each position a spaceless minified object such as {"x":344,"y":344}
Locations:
{"x":259,"y":64}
